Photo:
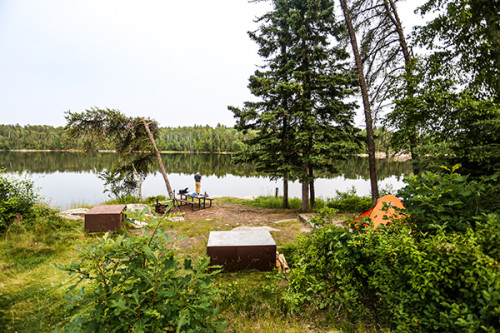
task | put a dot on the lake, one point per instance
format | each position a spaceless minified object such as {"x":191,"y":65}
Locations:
{"x":67,"y":179}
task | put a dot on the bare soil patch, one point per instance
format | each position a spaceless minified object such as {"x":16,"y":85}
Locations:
{"x":284,"y":225}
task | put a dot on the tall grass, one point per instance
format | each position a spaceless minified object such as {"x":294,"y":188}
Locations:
{"x":270,"y":202}
{"x":343,"y":202}
{"x":31,"y":286}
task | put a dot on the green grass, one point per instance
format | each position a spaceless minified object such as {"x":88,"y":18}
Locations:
{"x":270,"y":202}
{"x":32,"y":288}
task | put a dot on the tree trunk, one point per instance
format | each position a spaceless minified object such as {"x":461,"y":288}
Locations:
{"x":312,"y":194}
{"x":305,"y":197}
{"x":366,"y":102}
{"x":140,"y":182}
{"x":392,"y":13}
{"x":158,"y":156}
{"x":285,"y":193}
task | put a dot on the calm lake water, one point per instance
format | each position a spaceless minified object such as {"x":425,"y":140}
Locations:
{"x":68,"y":180}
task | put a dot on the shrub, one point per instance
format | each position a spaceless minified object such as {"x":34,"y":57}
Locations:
{"x":17,"y":200}
{"x":152,"y":199}
{"x":349,"y":202}
{"x":403,"y":277}
{"x":439,"y":283}
{"x":136,"y":284}
{"x":123,"y":200}
{"x":447,"y":200}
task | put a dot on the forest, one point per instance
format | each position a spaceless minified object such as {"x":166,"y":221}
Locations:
{"x":192,"y":139}
{"x":179,"y":139}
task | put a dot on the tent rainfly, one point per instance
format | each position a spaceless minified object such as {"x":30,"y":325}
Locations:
{"x":379,"y":215}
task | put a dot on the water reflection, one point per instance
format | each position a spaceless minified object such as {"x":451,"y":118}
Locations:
{"x":67,"y":178}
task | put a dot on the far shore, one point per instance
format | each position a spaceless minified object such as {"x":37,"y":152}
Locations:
{"x":379,"y":155}
{"x":104,"y":151}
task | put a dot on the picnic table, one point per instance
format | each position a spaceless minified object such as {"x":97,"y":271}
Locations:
{"x":196,"y":201}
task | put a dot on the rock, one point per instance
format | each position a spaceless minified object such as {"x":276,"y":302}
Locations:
{"x":74,"y":214}
{"x":287,"y":220}
{"x":138,"y":224}
{"x":139,"y":207}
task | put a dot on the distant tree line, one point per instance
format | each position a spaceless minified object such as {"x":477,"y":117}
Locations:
{"x":201,"y":139}
{"x":218,"y":165}
{"x":38,"y":137}
{"x":179,"y":139}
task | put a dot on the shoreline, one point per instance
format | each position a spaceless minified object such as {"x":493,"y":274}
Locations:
{"x":379,"y":155}
{"x":103,"y":151}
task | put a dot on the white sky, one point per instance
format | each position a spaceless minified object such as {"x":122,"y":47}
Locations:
{"x":179,"y":62}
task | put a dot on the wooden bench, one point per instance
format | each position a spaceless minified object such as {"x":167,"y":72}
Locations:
{"x":184,"y":203}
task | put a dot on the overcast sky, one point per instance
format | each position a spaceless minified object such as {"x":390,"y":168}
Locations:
{"x":179,"y":62}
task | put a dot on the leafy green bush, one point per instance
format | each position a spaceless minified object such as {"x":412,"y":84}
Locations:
{"x":403,"y":276}
{"x":123,"y":200}
{"x":447,"y":200}
{"x":136,"y":284}
{"x":349,"y":202}
{"x":439,"y":283}
{"x":152,"y":199}
{"x":17,"y":200}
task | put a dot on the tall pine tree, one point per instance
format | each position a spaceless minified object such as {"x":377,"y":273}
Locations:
{"x":303,"y":121}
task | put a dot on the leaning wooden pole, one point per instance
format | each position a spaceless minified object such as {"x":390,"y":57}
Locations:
{"x":158,"y":156}
{"x":366,"y":102}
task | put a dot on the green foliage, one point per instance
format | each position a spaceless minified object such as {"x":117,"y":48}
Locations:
{"x":323,"y":216}
{"x":268,"y":202}
{"x":135,"y":283}
{"x":175,"y":139}
{"x":202,"y":139}
{"x":17,"y":200}
{"x":125,"y":199}
{"x":302,"y":118}
{"x":349,"y":202}
{"x":153,"y":199}
{"x":261,"y":293}
{"x":440,"y":283}
{"x":455,"y":126}
{"x":32,"y":137}
{"x":274,"y":202}
{"x":128,"y":136}
{"x":405,"y":279}
{"x":448,"y":201}
{"x":454,"y":105}
{"x":344,"y":202}
{"x":118,"y":184}
{"x":465,"y":35}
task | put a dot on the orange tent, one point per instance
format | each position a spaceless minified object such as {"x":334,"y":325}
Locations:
{"x":377,"y":212}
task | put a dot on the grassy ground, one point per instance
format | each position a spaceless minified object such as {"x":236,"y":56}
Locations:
{"x":32,"y":288}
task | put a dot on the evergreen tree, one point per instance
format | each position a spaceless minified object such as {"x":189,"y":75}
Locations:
{"x":133,"y":139}
{"x":302,"y":120}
